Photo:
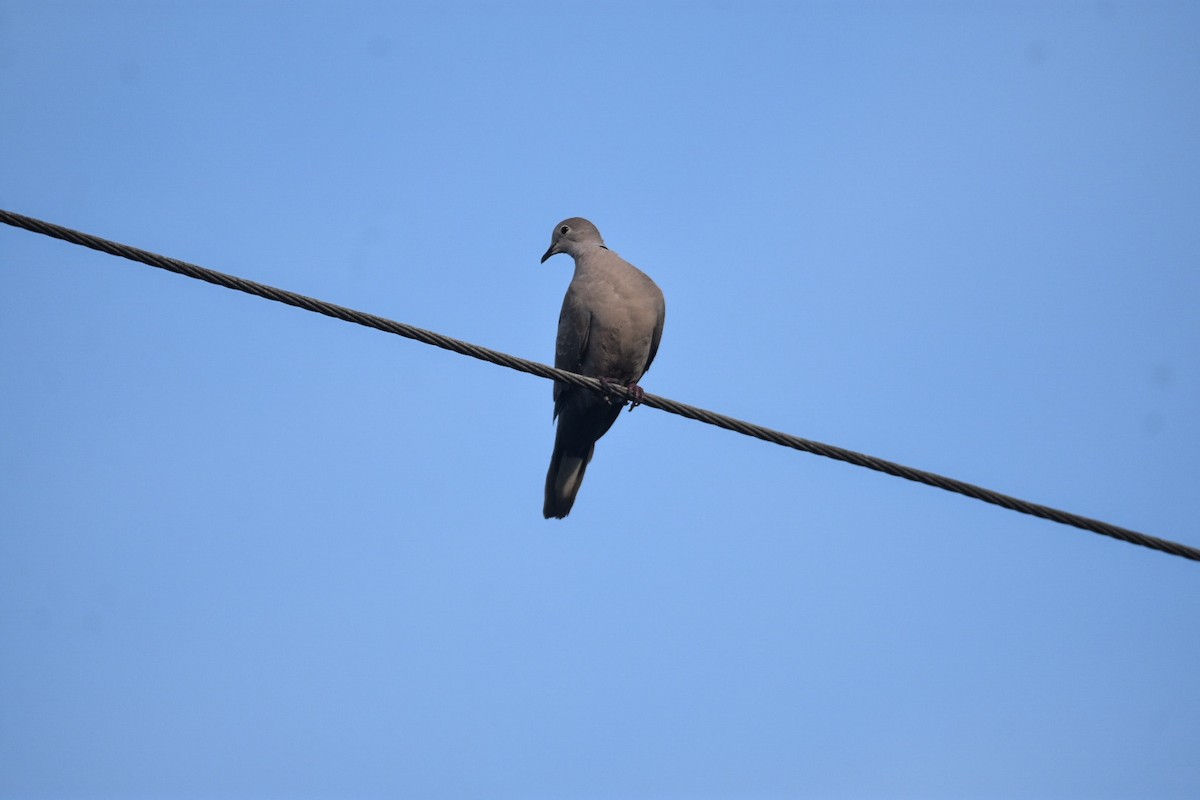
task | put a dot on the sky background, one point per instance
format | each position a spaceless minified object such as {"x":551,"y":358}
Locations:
{"x":249,"y":551}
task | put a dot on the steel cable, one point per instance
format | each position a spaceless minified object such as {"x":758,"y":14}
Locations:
{"x":544,"y":371}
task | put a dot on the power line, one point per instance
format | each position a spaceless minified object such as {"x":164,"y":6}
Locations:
{"x":543,"y":371}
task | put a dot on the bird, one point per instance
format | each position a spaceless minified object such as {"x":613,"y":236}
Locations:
{"x":609,"y":328}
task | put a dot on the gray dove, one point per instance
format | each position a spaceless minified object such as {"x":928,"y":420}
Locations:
{"x":609,"y":328}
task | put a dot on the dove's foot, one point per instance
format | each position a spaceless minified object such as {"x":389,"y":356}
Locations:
{"x":609,"y":395}
{"x":634,"y":398}
{"x":636,"y":393}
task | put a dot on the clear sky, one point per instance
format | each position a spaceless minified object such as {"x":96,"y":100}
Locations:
{"x":247,"y":551}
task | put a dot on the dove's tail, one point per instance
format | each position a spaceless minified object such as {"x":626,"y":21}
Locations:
{"x":583,"y":417}
{"x":564,"y":478}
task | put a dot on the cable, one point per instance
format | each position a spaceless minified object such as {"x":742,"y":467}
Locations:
{"x":543,"y":371}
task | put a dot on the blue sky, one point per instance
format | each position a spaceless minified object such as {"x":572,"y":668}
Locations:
{"x":248,"y":551}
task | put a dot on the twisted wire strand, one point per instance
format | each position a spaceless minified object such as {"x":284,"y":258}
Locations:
{"x":544,"y":371}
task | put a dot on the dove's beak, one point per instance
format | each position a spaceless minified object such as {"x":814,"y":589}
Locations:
{"x":549,"y":253}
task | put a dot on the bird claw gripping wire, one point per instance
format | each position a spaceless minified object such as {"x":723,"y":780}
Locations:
{"x":636,"y":393}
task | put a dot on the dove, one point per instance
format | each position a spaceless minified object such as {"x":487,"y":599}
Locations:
{"x":609,"y":328}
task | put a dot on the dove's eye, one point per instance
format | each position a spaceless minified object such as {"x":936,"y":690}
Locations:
{"x":563,"y":230}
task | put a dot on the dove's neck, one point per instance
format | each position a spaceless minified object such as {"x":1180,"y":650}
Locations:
{"x":584,"y":250}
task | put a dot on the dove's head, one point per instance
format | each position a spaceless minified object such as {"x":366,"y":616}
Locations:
{"x":573,"y":235}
